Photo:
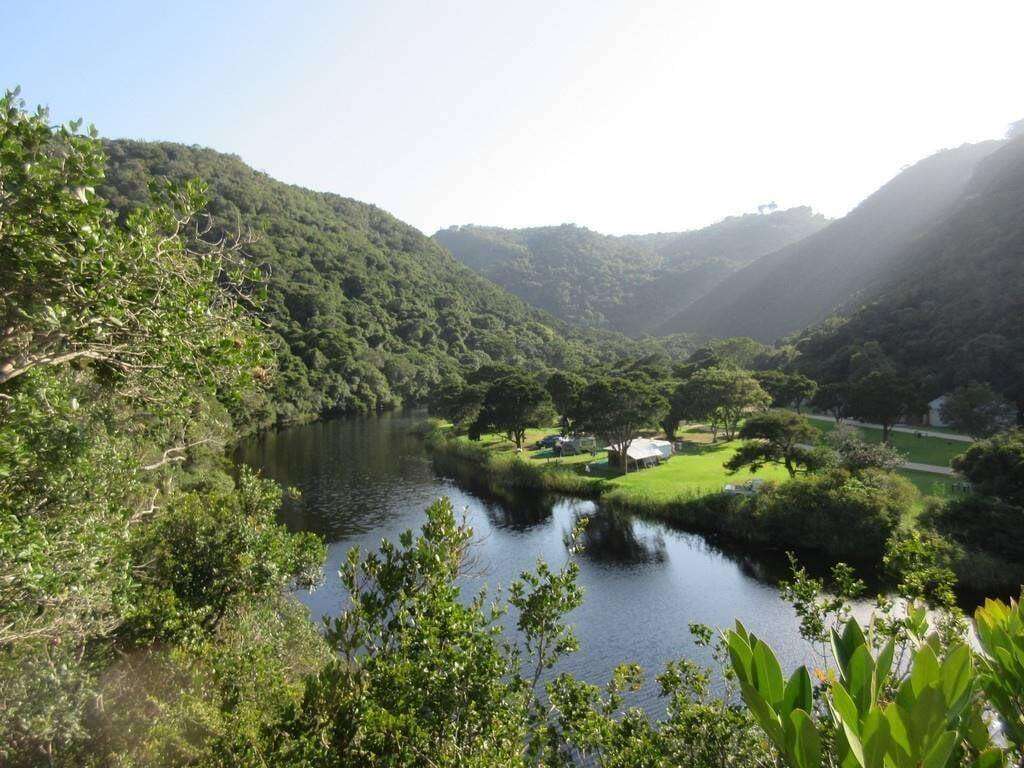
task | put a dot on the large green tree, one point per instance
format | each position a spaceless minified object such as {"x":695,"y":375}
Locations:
{"x":884,"y":397}
{"x":977,"y":410}
{"x":778,"y":437}
{"x":721,"y":397}
{"x":564,"y":389}
{"x":126,"y":349}
{"x":512,"y":405}
{"x":616,"y":408}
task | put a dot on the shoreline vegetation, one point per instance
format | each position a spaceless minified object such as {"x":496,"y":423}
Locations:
{"x":686,"y":492}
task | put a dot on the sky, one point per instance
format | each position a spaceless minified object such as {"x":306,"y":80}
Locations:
{"x":624,"y":117}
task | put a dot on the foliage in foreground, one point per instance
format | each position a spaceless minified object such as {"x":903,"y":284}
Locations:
{"x":127,"y":352}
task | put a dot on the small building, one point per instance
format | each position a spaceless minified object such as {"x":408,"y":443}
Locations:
{"x":934,"y":416}
{"x":642,"y":452}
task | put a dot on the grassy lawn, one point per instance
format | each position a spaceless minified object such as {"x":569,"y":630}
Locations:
{"x":695,"y":471}
{"x":923,"y":450}
{"x":930,"y":484}
{"x":698,"y":470}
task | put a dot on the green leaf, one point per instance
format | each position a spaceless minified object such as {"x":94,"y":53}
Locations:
{"x":768,"y":674}
{"x":939,"y":754}
{"x":799,"y":692}
{"x":766,"y":716}
{"x":926,"y":669}
{"x":957,"y":676}
{"x":875,"y":739}
{"x":803,"y":740}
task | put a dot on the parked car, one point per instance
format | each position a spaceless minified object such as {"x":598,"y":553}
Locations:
{"x":550,"y":441}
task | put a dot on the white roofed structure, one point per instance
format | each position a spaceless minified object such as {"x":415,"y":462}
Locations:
{"x":643,"y":451}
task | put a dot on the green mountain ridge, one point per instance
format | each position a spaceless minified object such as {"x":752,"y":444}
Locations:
{"x":630,"y":283}
{"x":836,"y":268}
{"x":367,"y":312}
{"x":952,"y":309}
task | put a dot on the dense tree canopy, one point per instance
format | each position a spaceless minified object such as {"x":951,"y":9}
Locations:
{"x":564,"y":389}
{"x":126,"y":350}
{"x":366,"y":313}
{"x":977,"y":410}
{"x":721,"y":397}
{"x":775,"y":436}
{"x":884,"y":397}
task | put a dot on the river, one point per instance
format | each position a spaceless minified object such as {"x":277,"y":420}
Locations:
{"x":368,"y":478}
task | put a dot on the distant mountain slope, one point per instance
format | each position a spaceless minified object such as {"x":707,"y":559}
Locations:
{"x":631,"y":283}
{"x":368,"y":311}
{"x":803,"y":283}
{"x":952,"y":308}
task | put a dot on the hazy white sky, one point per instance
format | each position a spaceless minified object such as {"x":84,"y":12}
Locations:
{"x":620,"y":116}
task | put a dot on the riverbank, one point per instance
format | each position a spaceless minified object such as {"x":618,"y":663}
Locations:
{"x":687,"y":492}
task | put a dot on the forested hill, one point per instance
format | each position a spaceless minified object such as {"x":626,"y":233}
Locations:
{"x":368,"y":311}
{"x":631,"y":283}
{"x":953,"y":309}
{"x":802,"y":284}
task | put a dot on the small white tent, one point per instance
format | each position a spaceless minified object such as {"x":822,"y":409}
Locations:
{"x":642,"y":451}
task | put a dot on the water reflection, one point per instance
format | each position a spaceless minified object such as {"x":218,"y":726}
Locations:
{"x":615,"y":538}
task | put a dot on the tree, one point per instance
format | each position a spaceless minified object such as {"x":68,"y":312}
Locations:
{"x":616,"y":409}
{"x":564,"y":389}
{"x":976,"y":409}
{"x":512,"y":405}
{"x":856,"y":455}
{"x":721,"y":396}
{"x":995,"y":466}
{"x":832,"y":398}
{"x":457,"y":402}
{"x":848,"y":518}
{"x":128,"y":349}
{"x":780,"y":437}
{"x":884,"y":397}
{"x":799,"y":390}
{"x":786,"y":389}
{"x":774,"y":383}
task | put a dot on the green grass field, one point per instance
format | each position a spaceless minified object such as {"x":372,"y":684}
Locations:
{"x":695,"y":472}
{"x":930,"y":484}
{"x":698,"y":470}
{"x":923,"y":450}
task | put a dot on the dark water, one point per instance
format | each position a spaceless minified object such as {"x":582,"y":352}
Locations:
{"x":364,"y":479}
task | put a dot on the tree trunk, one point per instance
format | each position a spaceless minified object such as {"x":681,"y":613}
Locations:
{"x":788,"y":461}
{"x":886,"y":427}
{"x":624,"y":454}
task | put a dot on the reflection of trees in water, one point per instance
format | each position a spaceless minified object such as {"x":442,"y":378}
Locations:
{"x":505,"y":509}
{"x":518,"y":511}
{"x":611,"y":537}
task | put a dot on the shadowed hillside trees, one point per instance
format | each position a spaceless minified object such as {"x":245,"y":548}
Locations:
{"x":365,"y":312}
{"x":630,"y":283}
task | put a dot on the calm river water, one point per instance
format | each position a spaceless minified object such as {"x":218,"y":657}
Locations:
{"x":364,"y":479}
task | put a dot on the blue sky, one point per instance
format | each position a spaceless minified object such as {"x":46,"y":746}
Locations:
{"x":620,"y":116}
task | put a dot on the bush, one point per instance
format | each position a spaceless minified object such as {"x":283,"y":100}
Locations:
{"x":204,"y":552}
{"x":982,"y":523}
{"x":844,"y":516}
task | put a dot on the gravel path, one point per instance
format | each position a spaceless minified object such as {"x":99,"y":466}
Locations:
{"x":907,"y":430}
